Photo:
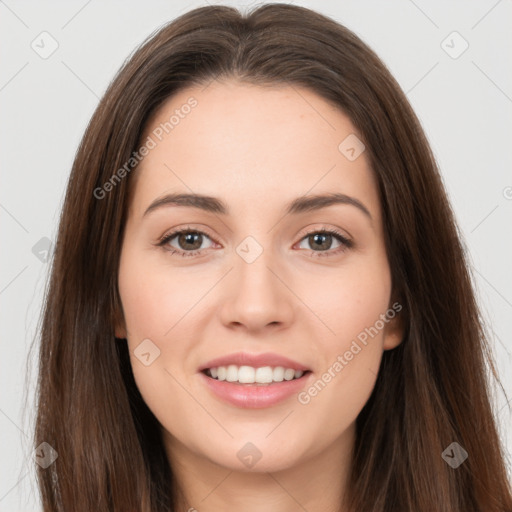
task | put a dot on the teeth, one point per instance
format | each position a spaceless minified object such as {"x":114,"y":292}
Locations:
{"x":232,"y":373}
{"x":278,"y":374}
{"x":289,"y":374}
{"x":246,"y":374}
{"x":250,"y":375}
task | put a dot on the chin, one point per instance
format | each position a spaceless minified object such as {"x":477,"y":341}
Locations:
{"x":255,"y":457}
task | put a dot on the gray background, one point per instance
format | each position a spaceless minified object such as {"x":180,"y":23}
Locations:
{"x":464,"y":104}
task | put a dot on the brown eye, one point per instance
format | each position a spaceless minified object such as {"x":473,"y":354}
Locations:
{"x":321,"y":241}
{"x":190,"y":240}
{"x":185,"y":242}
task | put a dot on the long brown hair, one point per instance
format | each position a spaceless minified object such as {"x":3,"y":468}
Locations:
{"x":431,"y":391}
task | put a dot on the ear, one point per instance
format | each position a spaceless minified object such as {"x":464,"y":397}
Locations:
{"x":394,"y":330}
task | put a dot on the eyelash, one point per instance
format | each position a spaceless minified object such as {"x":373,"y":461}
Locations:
{"x":345,"y":242}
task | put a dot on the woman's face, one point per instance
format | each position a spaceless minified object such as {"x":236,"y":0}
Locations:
{"x":258,"y":276}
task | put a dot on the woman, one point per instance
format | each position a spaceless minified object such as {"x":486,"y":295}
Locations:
{"x":318,"y":345}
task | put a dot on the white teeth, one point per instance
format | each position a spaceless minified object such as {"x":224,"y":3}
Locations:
{"x":264,"y":375}
{"x":232,"y":373}
{"x":278,"y":374}
{"x":251,"y":375}
{"x":289,"y":374}
{"x":246,"y":374}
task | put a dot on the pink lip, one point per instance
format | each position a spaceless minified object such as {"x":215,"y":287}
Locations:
{"x":252,"y":396}
{"x":254,"y":360}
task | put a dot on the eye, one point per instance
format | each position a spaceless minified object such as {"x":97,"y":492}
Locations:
{"x":189,"y":242}
{"x":322,"y":240}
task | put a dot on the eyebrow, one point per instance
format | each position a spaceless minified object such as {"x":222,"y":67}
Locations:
{"x":215,"y":205}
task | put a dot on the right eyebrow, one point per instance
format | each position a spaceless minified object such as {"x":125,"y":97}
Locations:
{"x":203,"y":202}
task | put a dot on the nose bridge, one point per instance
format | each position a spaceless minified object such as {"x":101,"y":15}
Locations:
{"x":258,"y":297}
{"x":254,"y":258}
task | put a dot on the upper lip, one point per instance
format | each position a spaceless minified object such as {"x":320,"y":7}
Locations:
{"x":254,"y":360}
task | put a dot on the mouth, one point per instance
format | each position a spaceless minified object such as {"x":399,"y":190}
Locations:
{"x":248,"y":387}
{"x":254,"y":381}
{"x":254,"y":376}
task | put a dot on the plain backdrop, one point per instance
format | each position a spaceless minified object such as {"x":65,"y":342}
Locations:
{"x":451,"y":58}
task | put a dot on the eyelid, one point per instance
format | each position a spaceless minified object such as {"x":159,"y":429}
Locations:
{"x":327,"y":229}
{"x":176,"y":231}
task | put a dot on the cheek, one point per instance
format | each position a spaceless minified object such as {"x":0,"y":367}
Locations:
{"x":349,"y":301}
{"x":153,"y":304}
{"x":154,"y":298}
{"x":351,"y":354}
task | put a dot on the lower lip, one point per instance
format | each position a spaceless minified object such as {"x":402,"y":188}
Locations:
{"x":253,"y":396}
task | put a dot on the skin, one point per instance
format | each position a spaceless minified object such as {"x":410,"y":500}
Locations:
{"x":255,"y":146}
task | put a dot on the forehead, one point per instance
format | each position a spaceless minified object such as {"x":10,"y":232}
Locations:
{"x":252,"y":145}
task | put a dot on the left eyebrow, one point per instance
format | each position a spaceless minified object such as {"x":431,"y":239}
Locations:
{"x":319,"y":201}
{"x":216,"y":205}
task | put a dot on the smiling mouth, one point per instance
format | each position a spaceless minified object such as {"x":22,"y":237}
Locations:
{"x":250,"y":376}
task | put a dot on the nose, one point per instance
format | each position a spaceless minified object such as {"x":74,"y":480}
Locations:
{"x":257,"y":295}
